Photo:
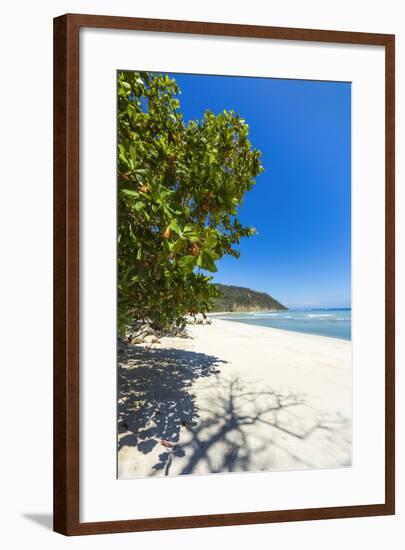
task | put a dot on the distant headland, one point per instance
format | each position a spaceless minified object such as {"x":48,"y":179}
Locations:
{"x":241,"y":299}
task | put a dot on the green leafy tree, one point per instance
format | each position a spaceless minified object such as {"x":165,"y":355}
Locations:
{"x":179,"y":188}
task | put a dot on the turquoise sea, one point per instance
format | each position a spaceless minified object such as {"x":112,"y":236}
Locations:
{"x":335,"y":323}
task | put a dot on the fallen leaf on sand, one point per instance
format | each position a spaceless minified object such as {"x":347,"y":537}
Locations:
{"x":167,"y":444}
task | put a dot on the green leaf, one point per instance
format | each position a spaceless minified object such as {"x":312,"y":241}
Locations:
{"x":188,"y":228}
{"x":175,"y":227}
{"x":211,"y":241}
{"x":129,"y":192}
{"x":175,"y":246}
{"x":187,"y":263}
{"x":208,"y":263}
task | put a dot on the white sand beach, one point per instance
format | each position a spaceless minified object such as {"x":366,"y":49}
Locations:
{"x":234,"y":397}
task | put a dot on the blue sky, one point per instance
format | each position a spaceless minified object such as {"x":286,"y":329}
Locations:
{"x":301,"y":204}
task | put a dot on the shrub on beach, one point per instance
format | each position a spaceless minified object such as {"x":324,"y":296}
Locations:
{"x":179,"y":188}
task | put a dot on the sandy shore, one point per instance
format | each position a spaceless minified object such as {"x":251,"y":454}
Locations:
{"x":234,"y":397}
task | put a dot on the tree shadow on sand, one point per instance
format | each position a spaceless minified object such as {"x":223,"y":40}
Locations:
{"x":244,"y":429}
{"x":234,"y":425}
{"x":154,"y":397}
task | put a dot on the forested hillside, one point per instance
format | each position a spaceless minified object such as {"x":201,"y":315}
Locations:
{"x":237,"y":298}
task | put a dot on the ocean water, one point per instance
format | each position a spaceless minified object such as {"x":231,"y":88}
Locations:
{"x":335,"y":323}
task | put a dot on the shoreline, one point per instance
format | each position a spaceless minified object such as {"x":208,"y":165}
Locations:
{"x":235,"y":397}
{"x":214,"y":313}
{"x":215,"y":316}
{"x":292,"y":332}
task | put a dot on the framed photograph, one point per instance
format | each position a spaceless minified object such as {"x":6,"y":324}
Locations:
{"x":223,"y":274}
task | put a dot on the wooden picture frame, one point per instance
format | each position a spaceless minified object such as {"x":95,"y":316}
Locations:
{"x":67,"y":284}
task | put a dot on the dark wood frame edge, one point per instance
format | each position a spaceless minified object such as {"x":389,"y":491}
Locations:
{"x":66,"y":273}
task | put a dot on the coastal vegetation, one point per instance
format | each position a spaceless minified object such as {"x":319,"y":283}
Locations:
{"x":236,"y":298}
{"x":180,"y":185}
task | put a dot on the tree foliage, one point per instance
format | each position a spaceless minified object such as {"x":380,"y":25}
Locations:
{"x":179,"y":188}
